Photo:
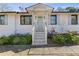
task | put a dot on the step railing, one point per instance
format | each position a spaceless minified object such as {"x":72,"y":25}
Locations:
{"x":46,"y":32}
{"x":34,"y":30}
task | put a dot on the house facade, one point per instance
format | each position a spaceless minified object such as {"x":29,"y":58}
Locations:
{"x":38,"y":20}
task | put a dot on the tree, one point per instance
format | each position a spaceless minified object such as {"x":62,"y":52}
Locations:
{"x":21,"y":8}
{"x":72,"y":9}
{"x":77,"y":9}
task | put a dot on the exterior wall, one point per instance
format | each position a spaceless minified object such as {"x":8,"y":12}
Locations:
{"x":9,"y":28}
{"x":56,"y":27}
{"x":74,"y":27}
{"x":63,"y":24}
{"x":13,"y":24}
{"x":22,"y":29}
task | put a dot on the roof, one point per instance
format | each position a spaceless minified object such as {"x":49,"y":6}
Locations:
{"x":8,"y":12}
{"x":13,"y":12}
{"x":39,"y":4}
{"x":64,"y":12}
{"x":27,"y":12}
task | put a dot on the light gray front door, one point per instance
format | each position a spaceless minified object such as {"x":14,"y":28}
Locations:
{"x":40,"y":24}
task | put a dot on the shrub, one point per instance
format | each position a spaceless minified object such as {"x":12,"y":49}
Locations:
{"x":65,"y":39}
{"x":68,"y":39}
{"x":1,"y":42}
{"x":5,"y":40}
{"x":23,"y":39}
{"x":29,"y":39}
{"x":59,"y":39}
{"x":16,"y":39}
{"x":75,"y":39}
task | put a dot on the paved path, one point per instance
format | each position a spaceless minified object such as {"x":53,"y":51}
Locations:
{"x":55,"y":51}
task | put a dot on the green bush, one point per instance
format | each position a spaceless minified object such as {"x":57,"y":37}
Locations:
{"x":1,"y":41}
{"x":64,"y":39}
{"x":5,"y":40}
{"x":59,"y":39}
{"x":75,"y":39}
{"x":29,"y":38}
{"x":16,"y":39}
{"x":68,"y":38}
{"x":23,"y":39}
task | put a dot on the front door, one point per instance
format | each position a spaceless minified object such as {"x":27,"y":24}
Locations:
{"x":40,"y":24}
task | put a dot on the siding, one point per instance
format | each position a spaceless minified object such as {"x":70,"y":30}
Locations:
{"x":10,"y":27}
{"x":14,"y":26}
{"x":22,"y":29}
{"x":63,"y":21}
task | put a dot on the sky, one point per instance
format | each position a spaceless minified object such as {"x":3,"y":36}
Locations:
{"x":15,"y":6}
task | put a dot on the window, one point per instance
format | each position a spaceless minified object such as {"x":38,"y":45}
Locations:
{"x":25,"y":19}
{"x":53,"y":20}
{"x":74,"y":20}
{"x":40,"y":19}
{"x":2,"y":20}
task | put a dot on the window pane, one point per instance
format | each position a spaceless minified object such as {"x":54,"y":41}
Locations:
{"x":22,"y":20}
{"x":25,"y":20}
{"x":2,"y":20}
{"x":74,"y":20}
{"x":53,"y":20}
{"x":30,"y":20}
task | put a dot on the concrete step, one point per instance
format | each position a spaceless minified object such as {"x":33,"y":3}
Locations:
{"x":39,"y":38}
{"x":39,"y":43}
{"x":39,"y":33}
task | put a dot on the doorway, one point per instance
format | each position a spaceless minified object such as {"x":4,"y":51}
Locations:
{"x":40,"y":24}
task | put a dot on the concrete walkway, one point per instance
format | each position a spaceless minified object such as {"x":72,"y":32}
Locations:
{"x":45,"y":50}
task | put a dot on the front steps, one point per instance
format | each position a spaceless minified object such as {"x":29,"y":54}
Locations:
{"x":39,"y":38}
